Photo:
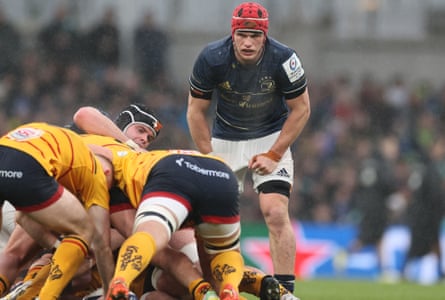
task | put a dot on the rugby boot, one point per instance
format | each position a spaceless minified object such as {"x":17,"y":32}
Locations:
{"x":210,"y":295}
{"x":289,"y":296}
{"x":17,"y":290}
{"x":118,"y":290}
{"x":270,"y":288}
{"x":286,"y":295}
{"x":204,"y":291}
{"x":228,"y":293}
{"x":94,"y":295}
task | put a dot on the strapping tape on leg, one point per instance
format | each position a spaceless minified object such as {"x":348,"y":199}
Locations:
{"x":157,"y":213}
{"x":220,"y":237}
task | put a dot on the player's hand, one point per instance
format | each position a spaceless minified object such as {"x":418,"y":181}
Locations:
{"x":264,"y":163}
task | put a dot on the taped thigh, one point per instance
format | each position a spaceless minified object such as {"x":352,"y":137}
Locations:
{"x":219,"y":237}
{"x":166,"y":211}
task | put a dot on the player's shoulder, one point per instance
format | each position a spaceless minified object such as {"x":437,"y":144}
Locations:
{"x":98,"y":139}
{"x":218,"y":52}
{"x":278,"y":50}
{"x":37,"y":129}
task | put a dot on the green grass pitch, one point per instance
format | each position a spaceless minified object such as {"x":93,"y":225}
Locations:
{"x":365,"y":290}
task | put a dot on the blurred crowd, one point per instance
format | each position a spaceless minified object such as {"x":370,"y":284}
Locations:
{"x":49,"y":75}
{"x":364,"y":158}
{"x":365,"y":134}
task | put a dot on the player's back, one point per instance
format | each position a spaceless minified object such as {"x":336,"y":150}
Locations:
{"x":63,"y":154}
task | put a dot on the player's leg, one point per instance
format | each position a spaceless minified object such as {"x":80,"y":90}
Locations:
{"x":74,"y":221}
{"x":274,"y":192}
{"x":156,"y":219}
{"x":281,"y":235}
{"x":220,"y":243}
{"x":174,"y":272}
{"x":18,"y":252}
{"x":36,"y":276}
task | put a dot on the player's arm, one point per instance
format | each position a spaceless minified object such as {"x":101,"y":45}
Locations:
{"x":197,"y":122}
{"x":91,"y":120}
{"x":96,"y":200}
{"x":101,"y":243}
{"x":123,"y":220}
{"x":299,"y":112}
{"x":298,"y":116}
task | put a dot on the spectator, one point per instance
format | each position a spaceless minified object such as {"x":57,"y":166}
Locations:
{"x":372,"y":103}
{"x":397,"y":97}
{"x":58,"y":40}
{"x":102,"y":42}
{"x":151,"y":46}
{"x":425,"y":212}
{"x":10,"y":45}
{"x":376,"y":183}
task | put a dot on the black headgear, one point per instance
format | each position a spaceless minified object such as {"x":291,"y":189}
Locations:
{"x":138,"y":114}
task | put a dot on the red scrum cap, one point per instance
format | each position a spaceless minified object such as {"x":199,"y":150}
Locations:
{"x":250,"y":16}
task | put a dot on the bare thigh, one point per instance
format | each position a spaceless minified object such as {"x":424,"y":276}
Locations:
{"x":65,"y":216}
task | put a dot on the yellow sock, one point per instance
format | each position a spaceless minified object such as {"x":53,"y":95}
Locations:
{"x":32,"y":272}
{"x":228,"y":268}
{"x":4,"y":284}
{"x":38,"y":275}
{"x":64,"y":264}
{"x":251,"y":282}
{"x":198,"y":288}
{"x":134,"y":256}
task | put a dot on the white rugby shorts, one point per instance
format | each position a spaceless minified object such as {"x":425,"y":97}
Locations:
{"x":238,"y":153}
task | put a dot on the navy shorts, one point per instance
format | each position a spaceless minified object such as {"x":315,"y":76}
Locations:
{"x":24,"y":182}
{"x":118,"y":200}
{"x":207,"y":185}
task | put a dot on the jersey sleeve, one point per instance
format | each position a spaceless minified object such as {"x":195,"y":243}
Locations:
{"x":292,"y":76}
{"x":201,"y":83}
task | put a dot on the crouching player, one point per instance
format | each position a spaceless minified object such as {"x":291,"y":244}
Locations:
{"x":170,"y":188}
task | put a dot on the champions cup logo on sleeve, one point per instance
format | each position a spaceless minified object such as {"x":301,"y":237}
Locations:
{"x":294,"y":69}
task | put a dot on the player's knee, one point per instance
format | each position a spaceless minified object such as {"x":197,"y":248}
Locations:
{"x":275,"y":187}
{"x":220,"y":237}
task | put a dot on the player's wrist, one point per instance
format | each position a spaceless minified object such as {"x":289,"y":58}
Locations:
{"x":273,"y":155}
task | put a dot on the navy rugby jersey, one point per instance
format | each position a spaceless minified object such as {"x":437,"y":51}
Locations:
{"x":250,"y":99}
